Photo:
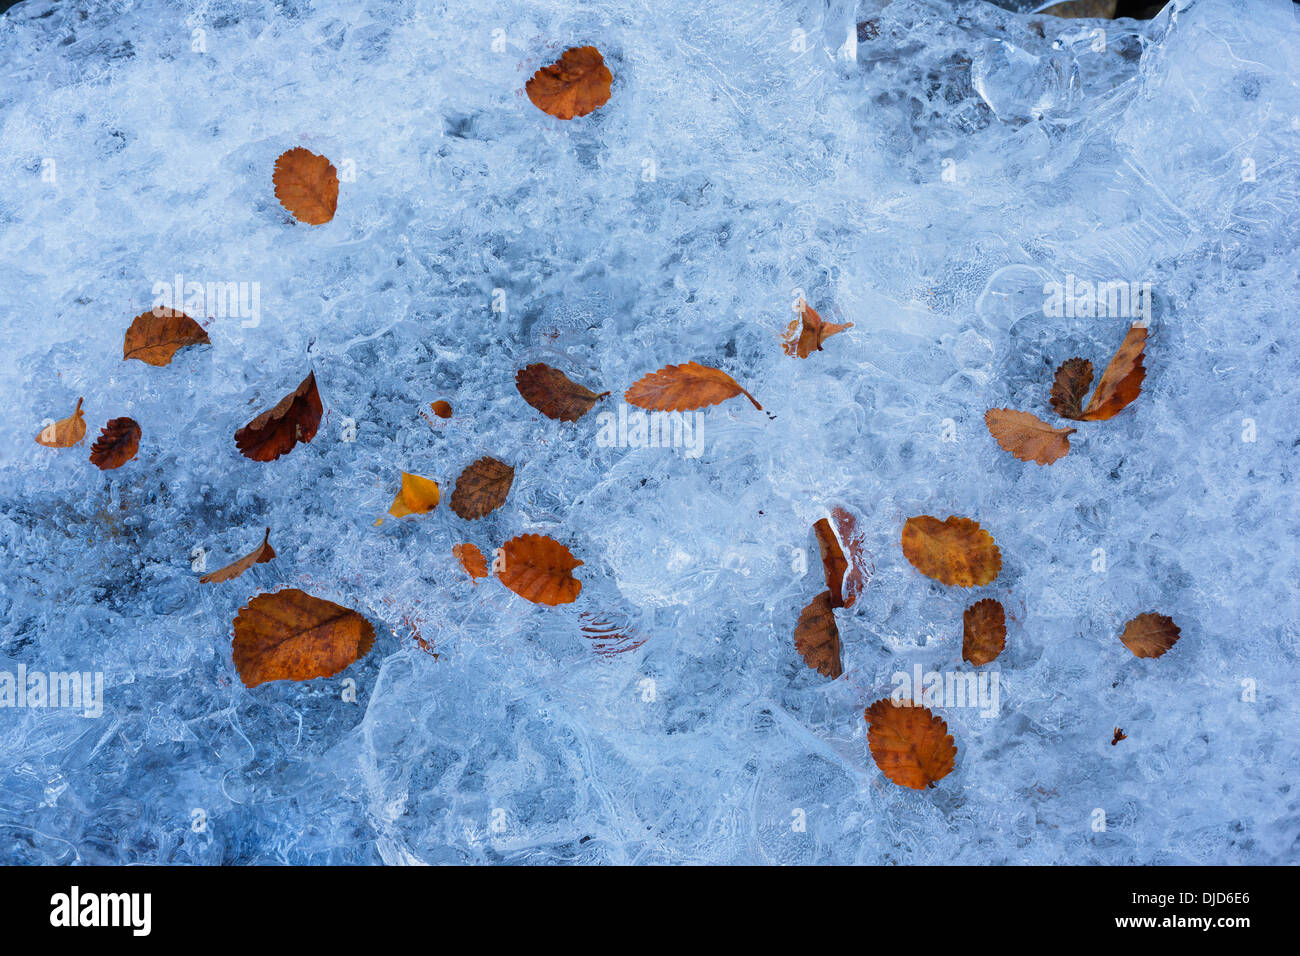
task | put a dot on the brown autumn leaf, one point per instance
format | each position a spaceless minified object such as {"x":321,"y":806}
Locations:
{"x":66,"y":432}
{"x":539,"y":569}
{"x":274,"y":433}
{"x":554,"y":394}
{"x":984,"y":632}
{"x":290,"y":635}
{"x":307,"y":185}
{"x":680,"y":388}
{"x":155,"y":338}
{"x":259,"y":555}
{"x":574,"y":85}
{"x":1119,"y":735}
{"x":441,"y":408}
{"x":472,"y":560}
{"x":806,"y":334}
{"x":418,"y":495}
{"x":834,"y":563}
{"x":481,"y":487}
{"x":1027,"y":436}
{"x":1070,"y":385}
{"x":1082,"y":9}
{"x":956,"y":551}
{"x":1150,"y":635}
{"x":117,"y":444}
{"x":1121,"y":383}
{"x":911,"y":746}
{"x":610,"y":633}
{"x":859,"y":573}
{"x":817,"y":638}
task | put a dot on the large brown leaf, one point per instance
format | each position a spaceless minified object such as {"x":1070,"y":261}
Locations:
{"x":956,"y":551}
{"x":807,"y":333}
{"x":259,"y":555}
{"x":118,"y":443}
{"x":481,"y":487}
{"x":817,"y":638}
{"x":1150,"y":635}
{"x":290,"y":635}
{"x":574,"y":85}
{"x":984,"y":632}
{"x":1070,"y":385}
{"x":274,"y":433}
{"x":680,"y":388}
{"x":154,"y":338}
{"x":554,"y":394}
{"x":1122,"y":381}
{"x":910,"y":745}
{"x":307,"y":185}
{"x":539,"y":569}
{"x":66,"y":432}
{"x":1027,"y":436}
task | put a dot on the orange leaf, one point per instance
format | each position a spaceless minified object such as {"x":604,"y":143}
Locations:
{"x":259,"y":555}
{"x":290,"y":635}
{"x":680,"y":388}
{"x":418,"y":496}
{"x":307,"y":185}
{"x":537,"y":568}
{"x":956,"y":551}
{"x":441,"y":408}
{"x":1150,"y":635}
{"x":117,"y":444}
{"x":554,"y":394}
{"x":806,"y":335}
{"x":472,"y":560}
{"x":910,"y":745}
{"x":1070,"y":385}
{"x":1027,"y":436}
{"x":817,"y":638}
{"x":64,"y":433}
{"x":833,"y":562}
{"x":984,"y":632}
{"x":574,"y":85}
{"x":154,"y":339}
{"x":1122,"y":381}
{"x":859,"y":573}
{"x":274,"y":433}
{"x":481,"y":487}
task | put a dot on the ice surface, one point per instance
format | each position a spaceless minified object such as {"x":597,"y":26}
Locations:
{"x":917,"y":168}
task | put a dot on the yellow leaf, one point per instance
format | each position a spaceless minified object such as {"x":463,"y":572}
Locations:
{"x":418,"y":496}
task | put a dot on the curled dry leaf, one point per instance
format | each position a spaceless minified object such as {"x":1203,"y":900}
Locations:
{"x":418,"y":496}
{"x":554,"y":394}
{"x":574,"y":85}
{"x":539,"y":569}
{"x":117,"y":444}
{"x":1070,"y":385}
{"x":854,"y":548}
{"x":1120,"y":384}
{"x":290,"y":635}
{"x":1150,"y":635}
{"x":984,"y":632}
{"x":834,"y":564}
{"x":956,"y":551}
{"x":1119,"y":735}
{"x":610,"y":633}
{"x":472,"y":560}
{"x":441,"y":408}
{"x":481,"y":487}
{"x":1027,"y":436}
{"x":66,"y":432}
{"x":307,"y":185}
{"x":817,"y":638}
{"x":259,"y":555}
{"x":910,"y":745}
{"x":154,"y":337}
{"x":806,"y":334}
{"x":274,"y":433}
{"x":681,"y":388}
